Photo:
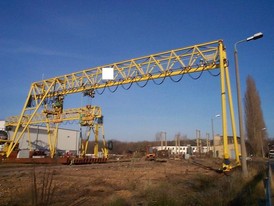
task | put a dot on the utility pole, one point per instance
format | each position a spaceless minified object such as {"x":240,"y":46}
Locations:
{"x":213,"y":135}
{"x":262,"y":142}
{"x":161,"y":136}
{"x":176,"y":145}
{"x":198,"y":140}
{"x":207,"y":142}
{"x":162,"y":144}
{"x":165,"y":141}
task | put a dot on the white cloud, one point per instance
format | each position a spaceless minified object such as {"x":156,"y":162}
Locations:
{"x":13,"y":46}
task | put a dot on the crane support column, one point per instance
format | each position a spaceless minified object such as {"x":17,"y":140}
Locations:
{"x":96,"y":134}
{"x":232,"y":116}
{"x":226,"y":163}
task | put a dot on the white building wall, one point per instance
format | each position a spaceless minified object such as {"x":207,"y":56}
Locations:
{"x":2,"y":125}
{"x":182,"y":149}
{"x":67,"y":140}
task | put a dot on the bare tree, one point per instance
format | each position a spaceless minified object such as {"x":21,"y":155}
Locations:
{"x":254,"y":121}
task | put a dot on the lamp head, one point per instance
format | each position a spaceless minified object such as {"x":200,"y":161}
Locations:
{"x":255,"y":36}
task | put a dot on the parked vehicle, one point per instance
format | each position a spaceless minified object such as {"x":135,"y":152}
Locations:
{"x":271,"y":153}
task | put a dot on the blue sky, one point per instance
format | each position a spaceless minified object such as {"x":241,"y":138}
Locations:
{"x":51,"y":38}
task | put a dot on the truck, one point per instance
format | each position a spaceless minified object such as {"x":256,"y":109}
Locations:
{"x":150,"y":153}
{"x":153,"y":154}
{"x":3,"y":138}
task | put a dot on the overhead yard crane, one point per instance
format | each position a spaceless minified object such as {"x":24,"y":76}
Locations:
{"x":178,"y":62}
{"x":89,"y":117}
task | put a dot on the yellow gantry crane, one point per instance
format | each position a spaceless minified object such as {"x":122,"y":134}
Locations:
{"x":178,"y":62}
{"x":89,"y":117}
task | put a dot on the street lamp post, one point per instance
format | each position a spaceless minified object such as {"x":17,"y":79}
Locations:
{"x":262,"y":142}
{"x":161,"y":134}
{"x":240,"y":113}
{"x":212,"y":127}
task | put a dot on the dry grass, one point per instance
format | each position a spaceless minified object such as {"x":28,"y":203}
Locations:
{"x":128,"y":183}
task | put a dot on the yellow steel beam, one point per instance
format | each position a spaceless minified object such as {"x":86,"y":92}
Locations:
{"x":226,"y":163}
{"x":66,"y":115}
{"x":233,"y":126}
{"x":170,"y":63}
{"x":96,"y":139}
{"x":18,"y":135}
{"x":105,"y":148}
{"x":84,"y":142}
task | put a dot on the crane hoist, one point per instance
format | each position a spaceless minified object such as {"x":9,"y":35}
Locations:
{"x":177,"y":62}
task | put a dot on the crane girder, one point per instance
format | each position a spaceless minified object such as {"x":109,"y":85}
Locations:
{"x":88,"y":113}
{"x":181,"y":61}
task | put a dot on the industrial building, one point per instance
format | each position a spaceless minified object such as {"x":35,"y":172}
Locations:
{"x":218,"y":146}
{"x":68,"y":139}
{"x":182,"y":150}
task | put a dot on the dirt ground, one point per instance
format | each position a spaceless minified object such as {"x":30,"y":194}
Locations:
{"x":136,"y":182}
